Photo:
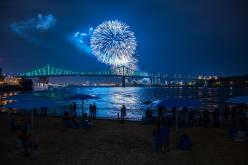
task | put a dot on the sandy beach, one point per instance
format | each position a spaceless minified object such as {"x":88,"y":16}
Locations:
{"x":110,"y":142}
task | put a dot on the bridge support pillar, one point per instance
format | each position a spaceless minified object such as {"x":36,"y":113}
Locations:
{"x":155,"y":80}
{"x":123,"y":81}
{"x":43,"y":80}
{"x":159,"y":81}
{"x":151,"y":80}
{"x":205,"y":83}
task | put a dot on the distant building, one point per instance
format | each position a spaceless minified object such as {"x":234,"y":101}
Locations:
{"x":1,"y":76}
{"x":25,"y":84}
{"x":10,"y":83}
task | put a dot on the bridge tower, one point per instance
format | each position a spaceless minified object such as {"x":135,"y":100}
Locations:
{"x":205,"y":83}
{"x":123,"y":77}
{"x":151,"y":80}
{"x":155,"y":80}
{"x":123,"y":81}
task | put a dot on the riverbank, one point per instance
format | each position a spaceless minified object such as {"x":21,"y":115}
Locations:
{"x":110,"y":142}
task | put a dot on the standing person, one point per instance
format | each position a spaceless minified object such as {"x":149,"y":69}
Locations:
{"x":206,"y":119}
{"x":91,"y":111}
{"x":174,"y":113}
{"x":156,"y":139}
{"x":216,"y":119}
{"x":148,"y":115}
{"x":185,"y":114}
{"x":226,"y":115}
{"x":71,"y":110}
{"x":191,"y":118}
{"x":74,"y":107}
{"x":160,"y":112}
{"x":241,"y":116}
{"x":123,"y":112}
{"x":94,"y":111}
{"x":164,"y":132}
{"x":234,"y":117}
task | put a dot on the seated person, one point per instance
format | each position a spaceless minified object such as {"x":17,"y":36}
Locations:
{"x":14,"y":125}
{"x":75,"y":124}
{"x":156,"y":140}
{"x":185,"y":142}
{"x":19,"y":143}
{"x":148,"y":116}
{"x":71,"y":123}
{"x":67,"y":122}
{"x":85,"y":122}
{"x":233,"y":133}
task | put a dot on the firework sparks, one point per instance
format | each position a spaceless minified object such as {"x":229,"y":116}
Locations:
{"x":114,"y":44}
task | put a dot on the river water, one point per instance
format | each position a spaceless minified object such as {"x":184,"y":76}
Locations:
{"x":112,"y":98}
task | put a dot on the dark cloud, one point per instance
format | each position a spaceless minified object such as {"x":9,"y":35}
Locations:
{"x":36,"y":24}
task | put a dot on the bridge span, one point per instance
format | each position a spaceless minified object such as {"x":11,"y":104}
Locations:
{"x":49,"y":71}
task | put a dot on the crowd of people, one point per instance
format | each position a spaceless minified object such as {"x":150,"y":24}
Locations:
{"x":73,"y":122}
{"x":161,"y":136}
{"x":232,"y":117}
{"x":71,"y":119}
{"x":229,"y":117}
{"x":161,"y":133}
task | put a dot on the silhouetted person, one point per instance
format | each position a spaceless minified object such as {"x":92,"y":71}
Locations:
{"x":123,"y":112}
{"x":45,"y":109}
{"x":241,"y":116}
{"x":206,"y":119}
{"x":148,"y":115}
{"x":234,"y":116}
{"x":156,"y":139}
{"x":35,"y":112}
{"x":91,"y":110}
{"x":160,"y":112}
{"x":74,"y":108}
{"x":226,"y":114}
{"x":216,"y":121}
{"x":185,"y":114}
{"x":174,"y":113}
{"x":71,"y":109}
{"x":164,"y":137}
{"x":41,"y":111}
{"x":191,"y":118}
{"x":14,"y":125}
{"x":200,"y":120}
{"x":66,"y":114}
{"x":94,"y":111}
{"x":184,"y":142}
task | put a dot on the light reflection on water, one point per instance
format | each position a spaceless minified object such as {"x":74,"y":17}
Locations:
{"x":111,"y":99}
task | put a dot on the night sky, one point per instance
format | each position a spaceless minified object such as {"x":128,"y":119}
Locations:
{"x":174,"y":36}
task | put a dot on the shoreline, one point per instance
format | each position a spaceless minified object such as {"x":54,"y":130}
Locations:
{"x":111,"y":142}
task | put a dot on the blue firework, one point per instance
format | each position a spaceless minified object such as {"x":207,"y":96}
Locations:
{"x":113,"y":43}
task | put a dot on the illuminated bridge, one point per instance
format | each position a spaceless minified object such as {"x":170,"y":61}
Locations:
{"x":50,"y":71}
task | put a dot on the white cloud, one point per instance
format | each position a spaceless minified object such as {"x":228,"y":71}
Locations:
{"x":38,"y":23}
{"x":45,"y":22}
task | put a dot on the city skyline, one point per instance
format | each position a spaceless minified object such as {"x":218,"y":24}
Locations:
{"x":174,"y":37}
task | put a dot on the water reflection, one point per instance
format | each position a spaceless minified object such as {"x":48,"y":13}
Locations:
{"x":111,"y":99}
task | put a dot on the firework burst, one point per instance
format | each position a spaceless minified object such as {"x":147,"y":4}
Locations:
{"x":114,"y":44}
